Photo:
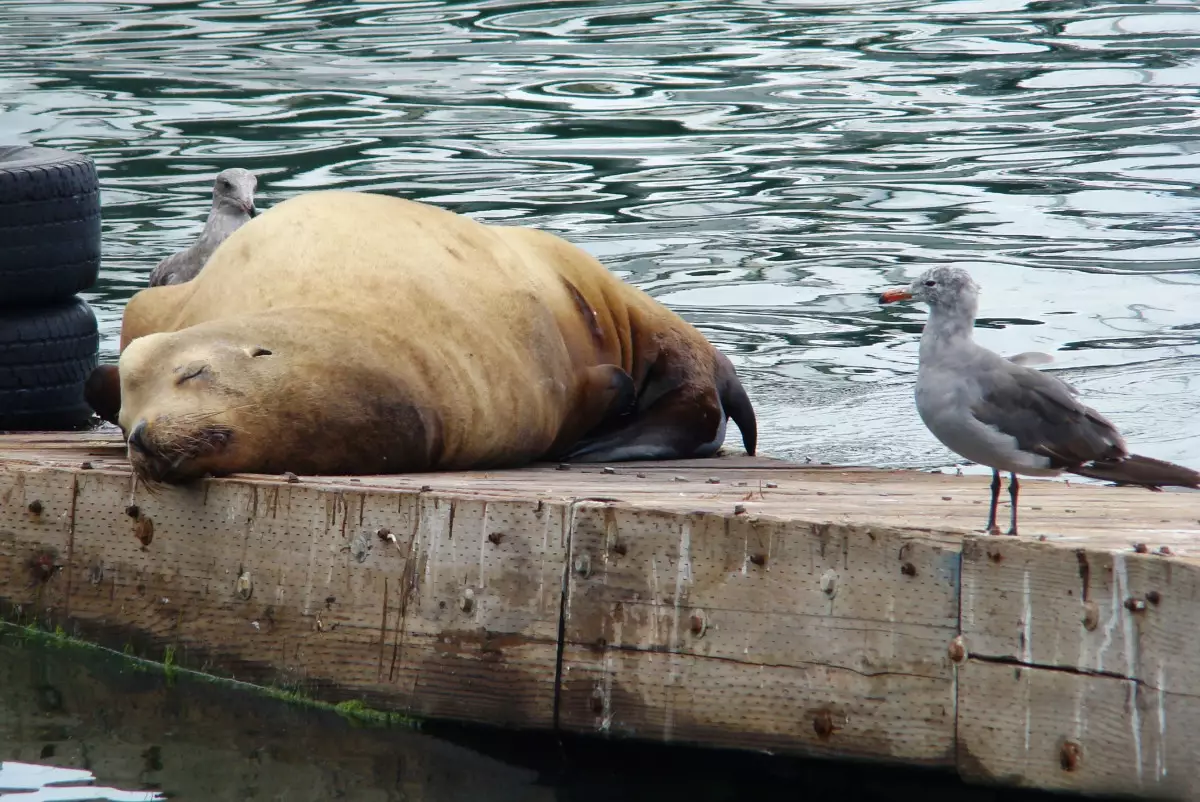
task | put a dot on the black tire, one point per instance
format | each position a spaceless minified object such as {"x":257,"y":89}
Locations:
{"x":49,"y":225}
{"x":46,"y":355}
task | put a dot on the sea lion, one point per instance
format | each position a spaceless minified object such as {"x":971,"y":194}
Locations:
{"x":232,"y":207}
{"x":349,"y":332}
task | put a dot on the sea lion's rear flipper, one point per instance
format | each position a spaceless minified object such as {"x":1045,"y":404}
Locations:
{"x":102,"y":391}
{"x":736,"y":403}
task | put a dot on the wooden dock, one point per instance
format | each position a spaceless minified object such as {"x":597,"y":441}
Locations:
{"x":734,"y":602}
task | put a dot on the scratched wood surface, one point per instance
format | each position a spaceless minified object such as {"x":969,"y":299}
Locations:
{"x":1075,"y":512}
{"x":1111,"y":639}
{"x":1067,"y":731}
{"x":734,"y":601}
{"x":764,"y":634}
{"x":431,"y":605}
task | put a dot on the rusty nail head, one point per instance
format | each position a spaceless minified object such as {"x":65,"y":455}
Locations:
{"x":1164,"y":549}
{"x":1135,"y":605}
{"x":772,"y":485}
{"x":699,"y":623}
{"x":739,"y":509}
{"x":35,"y":507}
{"x":1091,"y":616}
{"x":958,"y":649}
{"x":607,"y":469}
{"x":291,"y":477}
{"x":680,"y":479}
{"x":1140,"y":548}
{"x":908,"y":569}
{"x":712,"y":480}
{"x":85,"y":466}
{"x":1071,"y":755}
{"x":946,"y":498}
{"x":1153,"y":597}
{"x":641,"y":476}
{"x":823,"y":723}
{"x":758,"y":559}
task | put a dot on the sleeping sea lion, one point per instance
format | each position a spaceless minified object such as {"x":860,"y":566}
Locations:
{"x":348,"y":332}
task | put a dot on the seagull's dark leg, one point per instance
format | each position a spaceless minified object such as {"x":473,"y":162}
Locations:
{"x":991,"y":526}
{"x":1013,"y":488}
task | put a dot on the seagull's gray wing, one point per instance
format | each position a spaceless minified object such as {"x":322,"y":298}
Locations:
{"x":164,"y":271}
{"x":1044,"y":417}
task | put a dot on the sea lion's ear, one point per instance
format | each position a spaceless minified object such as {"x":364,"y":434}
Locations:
{"x":258,"y":350}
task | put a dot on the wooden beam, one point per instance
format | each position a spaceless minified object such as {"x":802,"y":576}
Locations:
{"x":733,"y":601}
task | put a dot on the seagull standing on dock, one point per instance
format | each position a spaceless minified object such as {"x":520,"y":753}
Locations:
{"x":232,"y":206}
{"x":1009,"y":417}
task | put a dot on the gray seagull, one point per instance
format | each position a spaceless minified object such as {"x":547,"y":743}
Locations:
{"x":232,"y":206}
{"x":1008,"y":416}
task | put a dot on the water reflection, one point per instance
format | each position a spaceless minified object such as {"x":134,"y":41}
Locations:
{"x":761,"y":168}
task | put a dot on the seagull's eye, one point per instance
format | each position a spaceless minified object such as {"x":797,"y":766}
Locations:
{"x":930,"y":283}
{"x":225,"y":184}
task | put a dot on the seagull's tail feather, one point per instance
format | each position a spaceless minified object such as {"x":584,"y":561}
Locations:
{"x":1137,"y":470}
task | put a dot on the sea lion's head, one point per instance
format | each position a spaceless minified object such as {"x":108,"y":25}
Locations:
{"x":193,"y":405}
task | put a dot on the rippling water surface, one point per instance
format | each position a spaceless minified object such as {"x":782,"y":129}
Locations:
{"x":764,"y":167}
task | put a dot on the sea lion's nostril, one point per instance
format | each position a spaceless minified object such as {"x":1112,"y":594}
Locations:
{"x":137,"y":437}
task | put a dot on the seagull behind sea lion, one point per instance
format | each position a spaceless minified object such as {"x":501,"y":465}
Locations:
{"x":232,"y":206}
{"x":1003,"y":414}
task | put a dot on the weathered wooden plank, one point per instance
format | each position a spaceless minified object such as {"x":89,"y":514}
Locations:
{"x":788,"y":636}
{"x":1078,"y":512}
{"x":1063,"y":730}
{"x":1093,"y":610}
{"x":433,"y":605}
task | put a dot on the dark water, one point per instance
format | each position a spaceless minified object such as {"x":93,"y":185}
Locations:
{"x":101,"y":728}
{"x":762,"y":166}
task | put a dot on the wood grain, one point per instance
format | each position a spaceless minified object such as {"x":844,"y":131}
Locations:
{"x":1061,"y":730}
{"x":812,"y":639}
{"x":1093,"y":610}
{"x":452,"y":612}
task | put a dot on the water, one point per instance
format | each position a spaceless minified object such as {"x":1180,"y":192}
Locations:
{"x":764,"y":167}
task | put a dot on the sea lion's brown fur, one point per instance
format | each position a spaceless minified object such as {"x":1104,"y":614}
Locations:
{"x":348,"y":332}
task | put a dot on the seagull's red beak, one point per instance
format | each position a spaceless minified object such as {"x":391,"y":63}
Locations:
{"x":888,"y":296}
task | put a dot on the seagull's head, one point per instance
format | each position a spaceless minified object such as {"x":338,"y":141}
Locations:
{"x":940,"y":287}
{"x":234,"y":189}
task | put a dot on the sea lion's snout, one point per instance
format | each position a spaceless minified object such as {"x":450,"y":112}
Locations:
{"x":137,"y":438}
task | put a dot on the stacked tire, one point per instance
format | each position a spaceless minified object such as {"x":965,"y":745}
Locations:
{"x":49,"y":252}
